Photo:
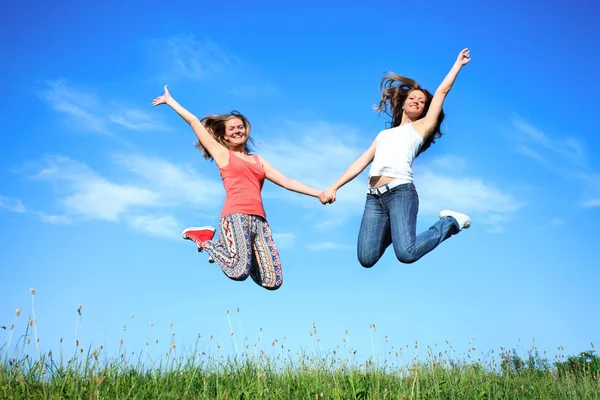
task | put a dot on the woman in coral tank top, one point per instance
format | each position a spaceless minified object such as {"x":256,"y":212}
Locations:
{"x":245,"y":246}
{"x":390,"y":215}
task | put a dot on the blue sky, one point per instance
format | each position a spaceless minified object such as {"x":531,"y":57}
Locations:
{"x":97,"y":185}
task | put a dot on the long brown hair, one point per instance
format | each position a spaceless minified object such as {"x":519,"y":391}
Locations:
{"x":394,"y":92}
{"x":215,"y":125}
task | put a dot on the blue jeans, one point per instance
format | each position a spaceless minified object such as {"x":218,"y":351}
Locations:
{"x":391,"y":217}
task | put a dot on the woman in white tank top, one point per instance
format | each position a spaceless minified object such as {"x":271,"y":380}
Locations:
{"x":390,"y":215}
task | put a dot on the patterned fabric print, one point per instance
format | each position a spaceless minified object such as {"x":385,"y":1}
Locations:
{"x":266,"y":266}
{"x":232,"y":251}
{"x":246,"y":248}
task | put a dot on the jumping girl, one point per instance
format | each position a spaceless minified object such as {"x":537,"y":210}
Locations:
{"x":390,"y":215}
{"x":245,"y":246}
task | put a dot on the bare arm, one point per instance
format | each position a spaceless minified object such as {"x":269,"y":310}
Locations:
{"x":217,"y":150}
{"x":352,"y":172}
{"x":425,"y":126}
{"x":290,"y":184}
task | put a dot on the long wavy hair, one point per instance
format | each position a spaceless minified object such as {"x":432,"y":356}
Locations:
{"x":215,"y":125}
{"x":394,"y":92}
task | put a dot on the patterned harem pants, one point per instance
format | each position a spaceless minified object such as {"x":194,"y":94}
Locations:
{"x":245,"y":247}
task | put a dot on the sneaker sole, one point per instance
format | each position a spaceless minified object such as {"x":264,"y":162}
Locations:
{"x":199,"y":228}
{"x":446,"y":213}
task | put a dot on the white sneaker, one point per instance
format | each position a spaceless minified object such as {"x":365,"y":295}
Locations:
{"x":463,"y":220}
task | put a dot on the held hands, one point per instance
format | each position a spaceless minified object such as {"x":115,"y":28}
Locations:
{"x":327,"y":196}
{"x":463,"y":57}
{"x":162,"y":99}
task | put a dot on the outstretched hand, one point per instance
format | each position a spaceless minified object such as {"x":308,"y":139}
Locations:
{"x":161,"y":99}
{"x":463,"y":57}
{"x":327,"y":196}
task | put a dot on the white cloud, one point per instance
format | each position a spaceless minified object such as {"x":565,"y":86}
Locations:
{"x":88,"y":195}
{"x":557,"y":152}
{"x":106,"y":200}
{"x":327,"y":246}
{"x":54,"y":219}
{"x":145,"y":205}
{"x":284,"y":240}
{"x":177,"y":184}
{"x":17,"y":206}
{"x":12,"y":204}
{"x":152,"y":187}
{"x":449,"y":164}
{"x":88,"y":113}
{"x":161,"y":226}
{"x":591,"y":203}
{"x":323,"y":151}
{"x":254,"y":91}
{"x":137,"y":120}
{"x":464,"y":194}
{"x":534,"y":155}
{"x":82,"y":108}
{"x":187,"y":58}
{"x":566,"y":156}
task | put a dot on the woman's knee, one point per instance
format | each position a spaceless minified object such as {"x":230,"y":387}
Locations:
{"x":237,"y":272}
{"x":405,"y":256}
{"x":367,"y":260}
{"x":276,"y":285}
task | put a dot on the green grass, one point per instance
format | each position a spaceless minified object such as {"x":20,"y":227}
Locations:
{"x":440,"y":373}
{"x":201,"y":376}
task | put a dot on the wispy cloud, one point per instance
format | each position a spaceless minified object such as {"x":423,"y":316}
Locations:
{"x":89,"y":114}
{"x":81,"y":108}
{"x":470,"y":195}
{"x":177,"y":184}
{"x":137,"y":120}
{"x":17,"y":206}
{"x":284,"y":240}
{"x":322,"y":151}
{"x":566,"y":156}
{"x":12,"y":204}
{"x":187,"y":58}
{"x":162,"y":226}
{"x":254,"y":91}
{"x":591,"y":203}
{"x":534,"y":155}
{"x":547,"y":150}
{"x":327,"y":246}
{"x":89,"y":195}
{"x":54,"y":219}
{"x":320,"y":154}
{"x":150,"y":191}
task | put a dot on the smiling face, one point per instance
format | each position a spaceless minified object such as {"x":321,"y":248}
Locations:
{"x":414,"y":105}
{"x":236,"y":133}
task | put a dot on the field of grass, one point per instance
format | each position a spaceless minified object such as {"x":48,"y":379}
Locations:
{"x":200,"y":373}
{"x":200,"y":376}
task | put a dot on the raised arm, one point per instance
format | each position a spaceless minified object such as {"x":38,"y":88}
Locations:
{"x":425,"y":126}
{"x":290,"y":184}
{"x":217,"y":150}
{"x":358,"y":166}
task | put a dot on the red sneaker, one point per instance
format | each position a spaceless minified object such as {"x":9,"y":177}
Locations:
{"x":199,"y":235}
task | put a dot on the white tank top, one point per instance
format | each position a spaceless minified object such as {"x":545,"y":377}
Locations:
{"x":395,"y":150}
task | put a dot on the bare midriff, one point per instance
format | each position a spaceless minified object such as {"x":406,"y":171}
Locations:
{"x":377,"y":181}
